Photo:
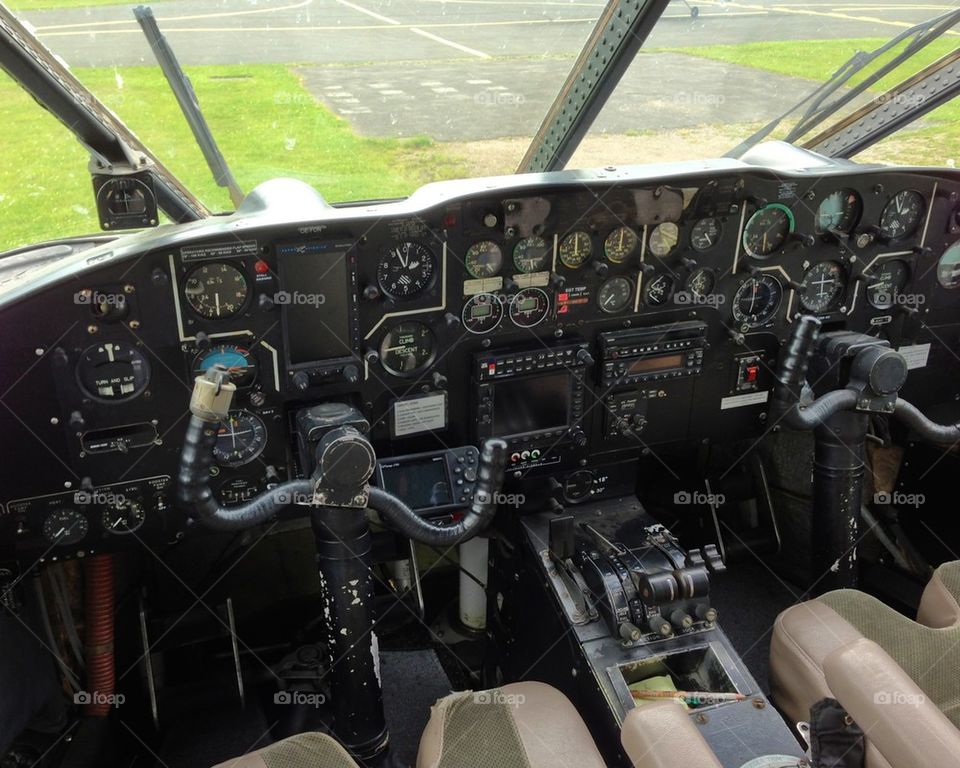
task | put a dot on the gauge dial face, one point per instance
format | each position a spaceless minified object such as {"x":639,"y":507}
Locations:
{"x":767,"y":230}
{"x":888,"y":281}
{"x":575,"y":249}
{"x":65,"y":526}
{"x":705,"y":234}
{"x":823,"y":287}
{"x":407,"y":349}
{"x":241,"y":438}
{"x":406,"y":270}
{"x":124,"y":518}
{"x":113,"y":372}
{"x":620,"y":244}
{"x":657,"y":290}
{"x":237,"y":360}
{"x":483,"y":259}
{"x":529,"y":307}
{"x":482,"y":313}
{"x":216,"y":291}
{"x":532,"y":254}
{"x":702,"y":282}
{"x":664,"y":238}
{"x":902,"y":215}
{"x":615,"y":295}
{"x":757,"y":300}
{"x":948,"y":268}
{"x":839,"y":212}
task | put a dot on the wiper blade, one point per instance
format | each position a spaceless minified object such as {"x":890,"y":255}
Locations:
{"x":818,"y":106}
{"x":187,"y":99}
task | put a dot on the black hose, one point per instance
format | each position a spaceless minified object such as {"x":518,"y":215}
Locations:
{"x":821,"y":409}
{"x":493,"y":458}
{"x":936,"y":433}
{"x":196,"y":497}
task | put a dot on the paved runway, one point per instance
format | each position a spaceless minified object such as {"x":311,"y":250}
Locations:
{"x":470,"y":69}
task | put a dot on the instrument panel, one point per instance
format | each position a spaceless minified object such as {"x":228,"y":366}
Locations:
{"x":587,"y":318}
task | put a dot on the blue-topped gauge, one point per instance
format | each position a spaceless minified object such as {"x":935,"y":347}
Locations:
{"x":239,"y":361}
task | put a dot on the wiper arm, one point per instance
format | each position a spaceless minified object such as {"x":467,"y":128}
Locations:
{"x":817,"y":105}
{"x":187,"y":99}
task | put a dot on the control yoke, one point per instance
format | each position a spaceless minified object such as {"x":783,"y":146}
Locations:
{"x":335,"y":466}
{"x":873,"y":371}
{"x":832,"y":383}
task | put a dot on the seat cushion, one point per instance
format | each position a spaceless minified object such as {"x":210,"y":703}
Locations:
{"x":804,"y":635}
{"x":940,"y":605}
{"x":522,"y":725}
{"x":305,"y":750}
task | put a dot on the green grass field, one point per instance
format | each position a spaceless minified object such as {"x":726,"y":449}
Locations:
{"x":267,"y":125}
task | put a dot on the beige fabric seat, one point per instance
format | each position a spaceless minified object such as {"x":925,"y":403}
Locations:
{"x":523,"y":725}
{"x":927,"y":650}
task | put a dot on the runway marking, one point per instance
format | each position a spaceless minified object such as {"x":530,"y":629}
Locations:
{"x":193,"y":17}
{"x":368,"y":12}
{"x":802,"y":11}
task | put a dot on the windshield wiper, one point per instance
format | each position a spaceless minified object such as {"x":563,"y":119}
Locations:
{"x":187,"y":99}
{"x":819,"y":107}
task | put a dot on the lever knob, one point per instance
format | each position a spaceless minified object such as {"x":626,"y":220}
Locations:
{"x":659,"y":625}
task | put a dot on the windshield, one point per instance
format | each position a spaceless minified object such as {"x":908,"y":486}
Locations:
{"x":370,"y":99}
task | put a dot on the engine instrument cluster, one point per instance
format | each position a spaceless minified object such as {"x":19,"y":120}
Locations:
{"x":584,"y":317}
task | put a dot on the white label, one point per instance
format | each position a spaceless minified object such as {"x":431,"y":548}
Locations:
{"x":916,"y":355}
{"x":482,"y":285}
{"x":738,"y":401}
{"x":420,"y":414}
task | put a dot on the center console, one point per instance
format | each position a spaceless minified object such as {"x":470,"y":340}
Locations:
{"x":623,"y":610}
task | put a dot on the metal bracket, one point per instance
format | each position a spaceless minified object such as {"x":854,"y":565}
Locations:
{"x":620,"y":32}
{"x":928,"y":89}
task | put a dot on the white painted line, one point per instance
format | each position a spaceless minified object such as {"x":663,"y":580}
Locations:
{"x":380,"y":85}
{"x":444,"y":41}
{"x":429,"y":83}
{"x":392,"y":92}
{"x":444,"y":89}
{"x":371,"y":14}
{"x":479,"y":82}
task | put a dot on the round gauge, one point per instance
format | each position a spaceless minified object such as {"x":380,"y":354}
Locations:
{"x":901,"y":216}
{"x":701,"y":282}
{"x":216,"y":291}
{"x":237,"y":360}
{"x":575,"y":249}
{"x":823,"y":286}
{"x":705,"y":234}
{"x":482,"y":313}
{"x":888,"y":280}
{"x":406,"y":270}
{"x":578,"y":486}
{"x":529,"y":307}
{"x":124,"y":518}
{"x":65,"y":526}
{"x":664,"y":238}
{"x":839,"y":212}
{"x":757,"y":300}
{"x":657,"y":291}
{"x":113,"y":371}
{"x":241,"y":438}
{"x":948,"y":268}
{"x":767,"y":230}
{"x":483,"y":259}
{"x":614,"y":295}
{"x":407,"y":348}
{"x":620,"y":244}
{"x":531,"y":254}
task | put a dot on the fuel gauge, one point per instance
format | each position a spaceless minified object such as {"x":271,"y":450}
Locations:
{"x":65,"y":526}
